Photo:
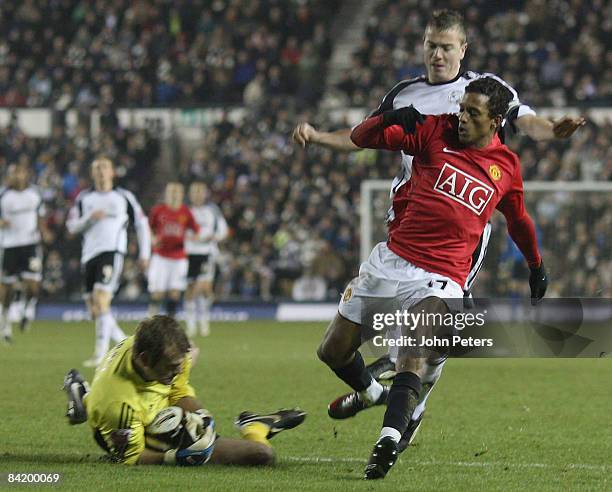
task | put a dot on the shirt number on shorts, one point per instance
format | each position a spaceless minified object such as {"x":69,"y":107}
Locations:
{"x":443,"y":283}
{"x":35,"y":264}
{"x":107,"y":273}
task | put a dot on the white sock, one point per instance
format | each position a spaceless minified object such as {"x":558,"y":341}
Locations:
{"x":116,"y":334}
{"x":103,"y":334}
{"x":204,"y":304}
{"x":153,"y":308}
{"x":5,"y":324}
{"x":190,"y":317}
{"x":16,"y":310}
{"x":390,"y":432}
{"x":431,"y":374}
{"x":372,"y":393}
{"x":30,"y":309}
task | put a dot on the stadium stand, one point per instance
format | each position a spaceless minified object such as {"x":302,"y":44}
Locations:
{"x":292,"y":213}
{"x":148,"y":52}
{"x":554,"y":53}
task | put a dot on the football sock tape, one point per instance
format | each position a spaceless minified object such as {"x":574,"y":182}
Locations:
{"x":402,"y":400}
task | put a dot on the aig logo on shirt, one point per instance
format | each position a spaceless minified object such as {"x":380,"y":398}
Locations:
{"x":463,"y":188}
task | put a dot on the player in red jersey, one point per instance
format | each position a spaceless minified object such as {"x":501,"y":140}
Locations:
{"x":169,"y":222}
{"x":461,"y":174}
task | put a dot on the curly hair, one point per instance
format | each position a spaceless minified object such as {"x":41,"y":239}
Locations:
{"x":499,"y":95}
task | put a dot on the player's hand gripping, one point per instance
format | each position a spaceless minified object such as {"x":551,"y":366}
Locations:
{"x":566,"y":126}
{"x":304,"y":133}
{"x":407,"y":118}
{"x":538,"y":281}
{"x":198,"y":442}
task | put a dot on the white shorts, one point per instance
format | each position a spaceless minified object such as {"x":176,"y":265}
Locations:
{"x":386,"y":277}
{"x":167,"y":274}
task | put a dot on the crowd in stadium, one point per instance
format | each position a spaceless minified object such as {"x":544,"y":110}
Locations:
{"x":153,"y":52}
{"x":554,"y":53}
{"x":293,"y":214}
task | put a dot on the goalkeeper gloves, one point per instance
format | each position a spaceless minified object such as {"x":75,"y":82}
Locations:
{"x":198,"y":441}
{"x":407,"y":118}
{"x":538,"y":281}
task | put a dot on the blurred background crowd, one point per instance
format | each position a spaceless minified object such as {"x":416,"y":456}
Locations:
{"x":64,"y":53}
{"x":553,"y":52}
{"x":294,"y":213}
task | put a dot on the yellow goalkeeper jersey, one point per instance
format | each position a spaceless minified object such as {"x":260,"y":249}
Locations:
{"x":121,"y":404}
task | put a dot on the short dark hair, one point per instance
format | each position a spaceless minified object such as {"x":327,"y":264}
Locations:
{"x":154,"y":335}
{"x":499,"y":95}
{"x":445,"y":19}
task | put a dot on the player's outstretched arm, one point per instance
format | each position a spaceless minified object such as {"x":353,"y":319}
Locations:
{"x":339,"y":140}
{"x":539,"y":128}
{"x":522,"y":231}
{"x":392,"y":130}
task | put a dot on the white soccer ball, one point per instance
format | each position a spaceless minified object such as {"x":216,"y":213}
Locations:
{"x":167,"y":430}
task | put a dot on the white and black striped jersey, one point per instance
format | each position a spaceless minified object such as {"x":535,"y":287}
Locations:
{"x":440,"y":98}
{"x":110,"y":233}
{"x":21,"y":209}
{"x":213,"y":228}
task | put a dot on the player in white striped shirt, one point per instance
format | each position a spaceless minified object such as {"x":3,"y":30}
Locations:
{"x":202,"y":252}
{"x":21,"y":230}
{"x":102,"y":216}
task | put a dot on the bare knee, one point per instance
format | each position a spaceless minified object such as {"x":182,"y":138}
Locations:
{"x":328,"y":354}
{"x":409,"y":364}
{"x":323,"y":354}
{"x":341,"y":340}
{"x":99,"y":302}
{"x":157,"y":296}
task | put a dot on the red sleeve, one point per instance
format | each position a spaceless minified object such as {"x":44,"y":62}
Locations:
{"x":370,"y":134}
{"x":520,"y":226}
{"x":191,"y":222}
{"x":153,"y":214}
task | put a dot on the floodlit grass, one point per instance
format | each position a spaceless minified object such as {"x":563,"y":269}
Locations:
{"x":491,"y":424}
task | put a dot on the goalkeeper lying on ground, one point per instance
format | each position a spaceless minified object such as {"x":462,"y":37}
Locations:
{"x":148,"y":373}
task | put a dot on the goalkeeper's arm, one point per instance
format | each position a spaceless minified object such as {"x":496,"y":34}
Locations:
{"x":189,"y":404}
{"x":150,"y":457}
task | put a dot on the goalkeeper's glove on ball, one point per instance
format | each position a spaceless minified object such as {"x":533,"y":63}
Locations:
{"x":199,"y":442}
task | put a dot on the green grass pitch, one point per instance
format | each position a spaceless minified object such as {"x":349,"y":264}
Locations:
{"x":491,"y":424}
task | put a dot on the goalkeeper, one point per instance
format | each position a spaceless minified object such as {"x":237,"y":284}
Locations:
{"x":146,"y":373}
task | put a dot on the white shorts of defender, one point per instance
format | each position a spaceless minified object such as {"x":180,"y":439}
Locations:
{"x":167,"y":274}
{"x":385,"y":276}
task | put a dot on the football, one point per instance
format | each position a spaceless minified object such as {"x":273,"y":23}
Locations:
{"x":167,"y":430}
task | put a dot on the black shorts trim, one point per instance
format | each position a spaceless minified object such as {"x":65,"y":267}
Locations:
{"x":199,"y":265}
{"x":22,"y":260}
{"x":103,"y":270}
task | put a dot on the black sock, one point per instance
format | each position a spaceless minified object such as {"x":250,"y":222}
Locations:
{"x":355,"y":373}
{"x":402,"y":400}
{"x":171,"y":307}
